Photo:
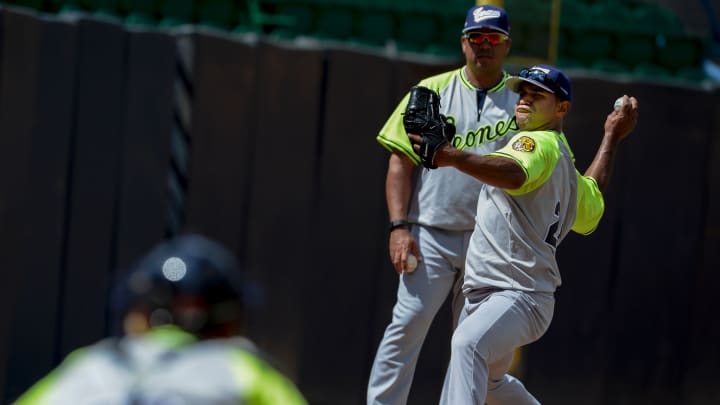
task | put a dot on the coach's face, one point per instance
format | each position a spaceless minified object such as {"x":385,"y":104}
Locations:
{"x":485,"y":50}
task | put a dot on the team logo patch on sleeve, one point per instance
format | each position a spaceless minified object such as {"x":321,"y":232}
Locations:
{"x":524,"y":144}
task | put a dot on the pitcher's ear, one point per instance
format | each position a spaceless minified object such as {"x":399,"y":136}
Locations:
{"x":564,"y":106}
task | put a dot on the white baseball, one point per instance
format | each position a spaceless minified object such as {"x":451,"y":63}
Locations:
{"x":619,"y":103}
{"x":412,"y":263}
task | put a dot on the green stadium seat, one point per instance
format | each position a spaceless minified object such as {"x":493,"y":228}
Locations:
{"x":565,"y":62}
{"x":607,"y":16}
{"x":609,"y":66}
{"x":415,"y":31}
{"x":303,"y":16}
{"x":573,"y":15}
{"x":447,"y":39}
{"x":243,"y":22}
{"x":69,"y":6}
{"x":50,"y":6}
{"x":634,"y":49}
{"x":520,"y":34}
{"x":530,"y":12}
{"x":221,"y":14}
{"x":373,"y":26}
{"x":103,"y":7}
{"x":177,"y":12}
{"x":34,"y":4}
{"x":588,"y":26}
{"x":651,"y":70}
{"x":263,"y":18}
{"x":576,"y":20}
{"x":692,"y":74}
{"x":334,"y":22}
{"x":399,"y":6}
{"x":530,"y":41}
{"x":590,"y":46}
{"x":679,"y":52}
{"x":653,"y":19}
{"x":142,"y":12}
{"x":563,"y":42}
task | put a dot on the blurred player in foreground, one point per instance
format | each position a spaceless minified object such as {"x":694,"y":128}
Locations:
{"x":182,"y":307}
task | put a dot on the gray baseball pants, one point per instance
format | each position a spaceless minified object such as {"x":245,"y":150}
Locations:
{"x":492,"y":324}
{"x":420,"y":295}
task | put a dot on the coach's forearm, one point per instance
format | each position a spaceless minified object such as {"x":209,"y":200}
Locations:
{"x":398,"y":185}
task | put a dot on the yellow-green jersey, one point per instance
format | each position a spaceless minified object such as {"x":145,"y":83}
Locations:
{"x":166,"y":365}
{"x":445,"y":198}
{"x":514,"y":241}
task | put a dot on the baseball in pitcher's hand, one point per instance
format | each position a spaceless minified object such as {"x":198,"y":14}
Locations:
{"x":620,"y":123}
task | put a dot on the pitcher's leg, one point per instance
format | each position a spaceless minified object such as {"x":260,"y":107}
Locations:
{"x":458,"y":299}
{"x":496,"y":324}
{"x":504,"y":389}
{"x":508,"y":390}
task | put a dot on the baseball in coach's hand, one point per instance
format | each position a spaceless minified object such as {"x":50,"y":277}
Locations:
{"x":412,"y":263}
{"x":619,"y":103}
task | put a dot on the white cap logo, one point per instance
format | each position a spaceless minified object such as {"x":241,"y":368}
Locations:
{"x":482,"y":14}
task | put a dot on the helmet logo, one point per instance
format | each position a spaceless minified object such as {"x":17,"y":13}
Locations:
{"x":174,"y":269}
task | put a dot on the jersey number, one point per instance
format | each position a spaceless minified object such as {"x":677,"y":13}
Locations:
{"x":553,"y":234}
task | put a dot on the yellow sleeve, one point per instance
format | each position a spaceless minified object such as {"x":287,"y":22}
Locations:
{"x":38,"y":393}
{"x":536,"y":152}
{"x":392,"y":135}
{"x":590,"y":205}
{"x":261,"y":384}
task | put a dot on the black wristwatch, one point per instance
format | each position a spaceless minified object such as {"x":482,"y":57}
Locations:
{"x":397,"y":224}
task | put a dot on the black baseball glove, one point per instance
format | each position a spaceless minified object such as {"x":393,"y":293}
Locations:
{"x":422,"y":117}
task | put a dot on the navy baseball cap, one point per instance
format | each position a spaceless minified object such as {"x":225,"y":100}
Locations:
{"x":487,"y":16}
{"x":546,"y":77}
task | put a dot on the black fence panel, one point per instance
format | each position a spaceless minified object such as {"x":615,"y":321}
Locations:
{"x":16,"y":103}
{"x":222,"y":83}
{"x":660,"y":245}
{"x":703,"y":353}
{"x":35,"y":121}
{"x":145,"y":151}
{"x":95,"y":180}
{"x":287,"y":132}
{"x":347,"y":246}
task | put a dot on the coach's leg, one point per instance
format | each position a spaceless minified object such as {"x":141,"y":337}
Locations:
{"x":420,"y":296}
